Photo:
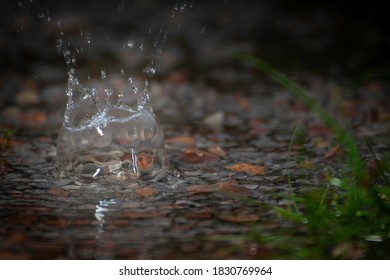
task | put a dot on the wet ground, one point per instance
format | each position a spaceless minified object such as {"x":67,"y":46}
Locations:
{"x":227,"y":126}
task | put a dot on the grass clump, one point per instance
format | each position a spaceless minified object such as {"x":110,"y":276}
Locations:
{"x":349,"y":215}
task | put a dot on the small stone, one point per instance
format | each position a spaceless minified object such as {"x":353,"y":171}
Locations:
{"x":71,"y":187}
{"x":200,"y":215}
{"x":181,"y":141}
{"x":214,"y":120}
{"x":195,"y":155}
{"x":58,"y":192}
{"x":27,"y":98}
{"x":145,"y":161}
{"x":217,"y":150}
{"x":248,"y":168}
{"x":147,"y":191}
{"x":251,"y":186}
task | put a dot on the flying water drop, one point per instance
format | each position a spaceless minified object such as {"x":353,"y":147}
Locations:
{"x":103,"y":74}
{"x":130,"y":43}
{"x":150,"y":70}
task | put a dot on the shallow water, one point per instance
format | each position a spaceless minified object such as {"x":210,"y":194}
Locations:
{"x":215,"y":112}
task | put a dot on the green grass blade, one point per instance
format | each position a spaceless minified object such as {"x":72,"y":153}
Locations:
{"x":342,"y":136}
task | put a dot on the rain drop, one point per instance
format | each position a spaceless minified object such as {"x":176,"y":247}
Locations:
{"x":103,"y":74}
{"x":180,"y":8}
{"x":130,"y":43}
{"x":150,"y":70}
{"x":108,"y":92}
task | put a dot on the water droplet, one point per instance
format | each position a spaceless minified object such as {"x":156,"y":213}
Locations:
{"x":88,"y":38}
{"x":103,"y":74}
{"x":337,"y":213}
{"x":130,"y":43}
{"x":99,"y":130}
{"x":122,"y":72}
{"x":180,"y":7}
{"x":150,"y":70}
{"x":45,"y":15}
{"x":108,"y":92}
{"x":96,"y":173}
{"x":305,"y":221}
{"x":60,"y":43}
{"x":69,"y":92}
{"x":135,"y":89}
{"x":120,"y":96}
{"x":141,"y":47}
{"x":131,"y":80}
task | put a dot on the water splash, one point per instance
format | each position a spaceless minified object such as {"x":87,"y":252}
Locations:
{"x":110,"y":141}
{"x":104,"y":140}
{"x":45,"y":15}
{"x":103,"y":74}
{"x":130,"y":44}
{"x":104,"y":135}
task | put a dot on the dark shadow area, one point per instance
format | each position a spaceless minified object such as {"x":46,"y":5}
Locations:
{"x":334,"y":39}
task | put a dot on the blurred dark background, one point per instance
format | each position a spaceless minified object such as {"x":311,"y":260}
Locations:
{"x":336,"y":39}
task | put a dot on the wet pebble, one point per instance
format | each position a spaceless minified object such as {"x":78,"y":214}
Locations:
{"x":27,"y":98}
{"x":251,"y":186}
{"x":71,"y":187}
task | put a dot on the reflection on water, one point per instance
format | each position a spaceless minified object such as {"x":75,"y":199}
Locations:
{"x":101,"y":209}
{"x":123,"y":229}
